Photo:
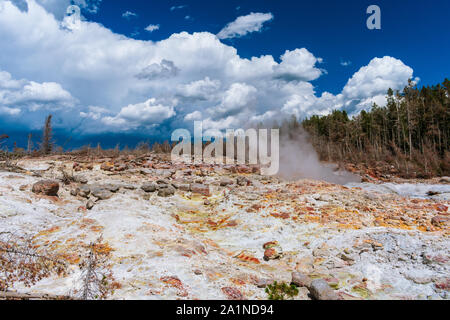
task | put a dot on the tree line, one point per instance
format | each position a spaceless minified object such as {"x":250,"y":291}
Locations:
{"x":410,"y":136}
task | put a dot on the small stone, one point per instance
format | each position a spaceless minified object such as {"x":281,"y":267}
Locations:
{"x":244,"y":169}
{"x":74,"y":192}
{"x":325,"y":198}
{"x":270,"y":244}
{"x":243,"y":181}
{"x":226,"y":182}
{"x":81,"y":179}
{"x":445,"y":180}
{"x":149,"y":187}
{"x":90,"y":204}
{"x":347,"y":258}
{"x":146,"y":197}
{"x":107,"y":166}
{"x":262,"y":283}
{"x":121,"y":168}
{"x":112,"y":187}
{"x":102,"y":194}
{"x":166,"y":192}
{"x":184,"y":187}
{"x":320,"y":290}
{"x":272,"y":251}
{"x":271,"y":254}
{"x":200,"y":189}
{"x":232,"y":293}
{"x":84,"y":191}
{"x":46,"y":187}
{"x":442,"y":284}
{"x":439,"y":221}
{"x":300,"y":279}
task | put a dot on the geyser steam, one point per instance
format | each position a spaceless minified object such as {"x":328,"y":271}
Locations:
{"x":299,"y":159}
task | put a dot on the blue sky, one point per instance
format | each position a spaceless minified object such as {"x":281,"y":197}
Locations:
{"x":227,"y":63}
{"x":334,"y":30}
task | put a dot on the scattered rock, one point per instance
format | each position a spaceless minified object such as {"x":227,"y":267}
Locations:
{"x":320,"y":290}
{"x":443,"y":284}
{"x":445,"y":180}
{"x":101,"y":193}
{"x":272,"y":250}
{"x":162,"y":182}
{"x":233,"y":293}
{"x":46,"y":187}
{"x":81,"y":179}
{"x":439,"y":221}
{"x":149,"y":187}
{"x":325,"y":198}
{"x":84,"y":191}
{"x":184,"y":187}
{"x":300,"y":279}
{"x":200,"y":189}
{"x":166,"y":192}
{"x":107,"y":166}
{"x":226,"y":182}
{"x":243,"y":181}
{"x":262,"y":283}
{"x":112,"y":187}
{"x":347,"y":258}
{"x":90,"y":204}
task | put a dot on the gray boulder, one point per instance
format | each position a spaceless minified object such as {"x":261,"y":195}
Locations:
{"x":102,"y":194}
{"x":84,"y":191}
{"x":166,"y":192}
{"x":320,"y":290}
{"x":149,"y":187}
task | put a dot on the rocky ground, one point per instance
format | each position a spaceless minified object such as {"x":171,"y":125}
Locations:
{"x":174,"y":231}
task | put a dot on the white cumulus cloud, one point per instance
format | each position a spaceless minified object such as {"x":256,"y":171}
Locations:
{"x":243,"y":25}
{"x":152,"y":27}
{"x":149,"y":112}
{"x":18,"y":94}
{"x":141,"y":84}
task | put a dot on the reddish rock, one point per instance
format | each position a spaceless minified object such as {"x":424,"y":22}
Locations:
{"x":244,"y":169}
{"x":272,"y":250}
{"x":232,"y":293}
{"x":121,"y":168}
{"x":271,"y":254}
{"x":175,"y":282}
{"x":247,"y":258}
{"x":438,"y":221}
{"x":46,"y":187}
{"x":283,"y":215}
{"x":270,"y":244}
{"x":200,"y":189}
{"x":226,"y":182}
{"x":107,"y":166}
{"x":441,"y":208}
{"x":300,"y":279}
{"x":443,"y":284}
